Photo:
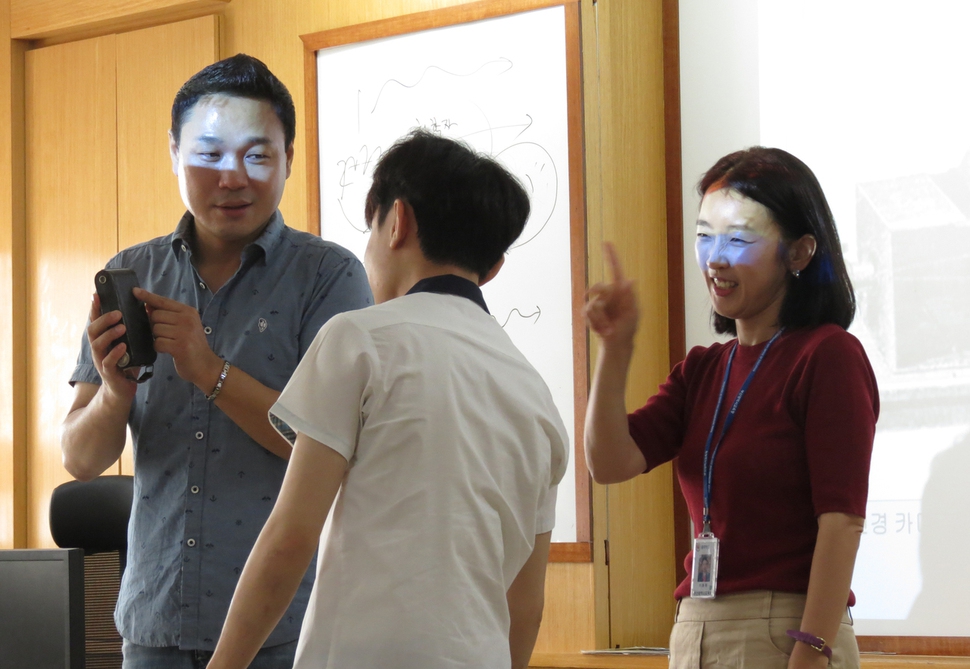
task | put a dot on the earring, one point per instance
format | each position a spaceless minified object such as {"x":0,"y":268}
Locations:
{"x":796,"y":273}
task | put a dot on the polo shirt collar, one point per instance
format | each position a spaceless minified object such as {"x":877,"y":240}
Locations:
{"x":267,"y":241}
{"x":449,"y":284}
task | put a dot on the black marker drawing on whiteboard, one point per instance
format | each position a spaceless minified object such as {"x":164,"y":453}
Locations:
{"x":436,"y":126}
{"x":535,"y":314}
{"x":528,"y":161}
{"x":524,"y":126}
{"x":363,"y":230}
{"x":456,"y":115}
{"x":502,"y":61}
{"x":353,"y":169}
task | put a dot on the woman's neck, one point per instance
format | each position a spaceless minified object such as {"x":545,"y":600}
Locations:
{"x":752,"y":334}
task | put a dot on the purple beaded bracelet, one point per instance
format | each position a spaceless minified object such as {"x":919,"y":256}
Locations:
{"x":818,"y":643}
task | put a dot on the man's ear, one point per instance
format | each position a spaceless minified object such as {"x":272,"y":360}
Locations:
{"x":800,"y":252}
{"x":492,"y":272}
{"x":173,"y":152}
{"x":289,"y":159}
{"x":403,"y":224}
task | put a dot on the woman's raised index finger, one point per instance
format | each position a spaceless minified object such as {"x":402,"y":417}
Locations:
{"x":614,"y":261}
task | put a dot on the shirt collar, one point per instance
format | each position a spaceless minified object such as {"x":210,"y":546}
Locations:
{"x":267,"y":241}
{"x":449,"y":284}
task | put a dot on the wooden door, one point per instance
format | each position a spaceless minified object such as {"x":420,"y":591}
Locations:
{"x":98,"y":179}
{"x":71,"y":230}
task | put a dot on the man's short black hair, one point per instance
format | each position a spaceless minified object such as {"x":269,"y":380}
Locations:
{"x":786,"y":186}
{"x":468,"y":208}
{"x":239,"y":76}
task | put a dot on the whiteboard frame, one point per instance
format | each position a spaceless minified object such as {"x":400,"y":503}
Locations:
{"x":581,"y":550}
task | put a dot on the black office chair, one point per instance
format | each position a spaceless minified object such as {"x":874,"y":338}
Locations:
{"x":93,"y":515}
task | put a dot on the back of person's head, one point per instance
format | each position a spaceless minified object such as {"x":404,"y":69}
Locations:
{"x":469,"y":209}
{"x":784,"y":185}
{"x":239,"y":76}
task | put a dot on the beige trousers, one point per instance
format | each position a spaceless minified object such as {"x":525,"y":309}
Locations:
{"x":747,"y":630}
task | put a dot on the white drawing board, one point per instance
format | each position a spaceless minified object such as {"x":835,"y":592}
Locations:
{"x":500,"y":85}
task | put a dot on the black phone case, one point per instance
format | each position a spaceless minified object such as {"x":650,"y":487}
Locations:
{"x":114,"y":288}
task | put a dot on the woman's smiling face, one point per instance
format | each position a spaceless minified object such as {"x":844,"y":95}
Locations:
{"x":743,"y":257}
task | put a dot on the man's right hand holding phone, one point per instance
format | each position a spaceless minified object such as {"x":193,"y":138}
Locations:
{"x":102,"y":331}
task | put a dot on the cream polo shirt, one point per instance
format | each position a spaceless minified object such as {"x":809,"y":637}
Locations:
{"x":455,"y":450}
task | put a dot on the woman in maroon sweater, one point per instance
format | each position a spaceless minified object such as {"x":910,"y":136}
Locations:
{"x":772,"y":431}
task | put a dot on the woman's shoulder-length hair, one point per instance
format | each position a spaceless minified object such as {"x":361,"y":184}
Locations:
{"x":822,"y":293}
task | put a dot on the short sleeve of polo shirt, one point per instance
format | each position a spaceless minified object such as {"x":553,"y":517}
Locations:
{"x":325,"y":396}
{"x":546,"y":519}
{"x":839,"y":399}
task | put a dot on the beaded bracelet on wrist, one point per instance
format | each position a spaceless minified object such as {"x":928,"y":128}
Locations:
{"x":222,"y":379}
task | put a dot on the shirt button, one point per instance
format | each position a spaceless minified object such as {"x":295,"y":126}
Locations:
{"x":207,"y":329}
{"x":190,"y":543}
{"x":201,"y":285}
{"x":184,"y":248}
{"x":199,"y":435}
{"x":195,"y":490}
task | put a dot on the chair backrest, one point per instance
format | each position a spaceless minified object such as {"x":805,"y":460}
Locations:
{"x":93,"y":515}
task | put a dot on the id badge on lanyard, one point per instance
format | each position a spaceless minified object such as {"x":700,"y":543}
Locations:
{"x":703,"y":582}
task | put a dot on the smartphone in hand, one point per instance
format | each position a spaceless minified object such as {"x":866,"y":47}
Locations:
{"x":114,"y":288}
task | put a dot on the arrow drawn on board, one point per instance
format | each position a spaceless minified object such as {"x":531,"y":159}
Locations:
{"x":537,"y":313}
{"x":524,"y":126}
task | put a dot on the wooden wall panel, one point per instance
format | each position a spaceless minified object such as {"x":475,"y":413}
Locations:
{"x":568,"y":622}
{"x":62,"y":20}
{"x":13,"y":470}
{"x":593,"y":121}
{"x":71,"y":230}
{"x":149,"y":204}
{"x":628,"y":194}
{"x":6,"y":287}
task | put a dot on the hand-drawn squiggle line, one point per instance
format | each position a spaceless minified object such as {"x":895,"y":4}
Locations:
{"x":435,"y":67}
{"x":537,"y":313}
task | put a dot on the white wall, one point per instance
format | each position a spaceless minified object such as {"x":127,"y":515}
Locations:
{"x":719,"y":114}
{"x":873,"y":96}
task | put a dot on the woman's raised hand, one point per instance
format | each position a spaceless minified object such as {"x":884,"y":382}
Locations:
{"x":611,"y":308}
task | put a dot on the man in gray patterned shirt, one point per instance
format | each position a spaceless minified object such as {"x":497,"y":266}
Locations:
{"x":235,"y":297}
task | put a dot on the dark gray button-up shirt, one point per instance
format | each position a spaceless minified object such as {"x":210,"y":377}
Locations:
{"x":203,"y":487}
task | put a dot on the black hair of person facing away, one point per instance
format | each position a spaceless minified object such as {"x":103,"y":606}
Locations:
{"x":469,"y":209}
{"x":239,"y":76}
{"x":822,"y":293}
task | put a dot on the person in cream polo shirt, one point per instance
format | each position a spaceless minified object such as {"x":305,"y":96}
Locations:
{"x":434,"y":440}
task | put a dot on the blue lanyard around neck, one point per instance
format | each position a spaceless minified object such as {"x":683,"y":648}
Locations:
{"x":710,"y":455}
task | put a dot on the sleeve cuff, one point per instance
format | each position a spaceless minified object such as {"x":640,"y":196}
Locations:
{"x":85,"y":373}
{"x":287,"y":423}
{"x":546,"y":518}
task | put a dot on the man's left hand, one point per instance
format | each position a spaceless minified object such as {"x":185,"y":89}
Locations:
{"x":178,"y":331}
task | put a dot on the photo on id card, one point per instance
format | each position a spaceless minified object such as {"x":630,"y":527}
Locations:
{"x":703,"y":582}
